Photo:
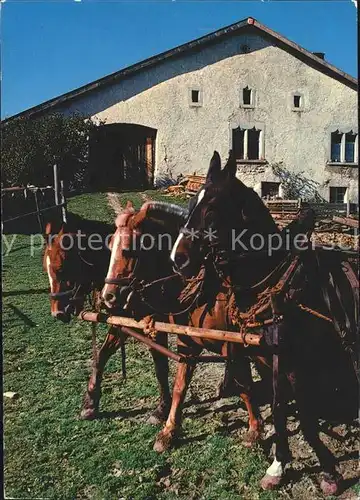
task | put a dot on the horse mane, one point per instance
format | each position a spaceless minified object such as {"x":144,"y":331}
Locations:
{"x":76,"y":223}
{"x":256,"y":212}
{"x":156,"y":216}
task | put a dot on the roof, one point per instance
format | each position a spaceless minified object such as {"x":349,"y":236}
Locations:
{"x":246,"y":24}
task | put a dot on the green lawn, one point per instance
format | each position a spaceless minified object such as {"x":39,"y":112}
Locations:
{"x":50,"y":453}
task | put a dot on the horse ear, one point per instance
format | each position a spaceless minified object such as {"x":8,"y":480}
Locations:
{"x":48,"y":229}
{"x":129,"y":204}
{"x":214,"y":168}
{"x":230,"y":167}
{"x":53,"y":227}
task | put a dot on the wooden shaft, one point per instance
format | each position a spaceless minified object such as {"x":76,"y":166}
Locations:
{"x":206,"y":359}
{"x":191,"y":331}
{"x":150,"y":343}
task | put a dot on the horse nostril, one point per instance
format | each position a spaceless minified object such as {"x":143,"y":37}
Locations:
{"x":181,"y":260}
{"x":110,"y":297}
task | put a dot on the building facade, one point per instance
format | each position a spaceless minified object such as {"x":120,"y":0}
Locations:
{"x":244,"y":88}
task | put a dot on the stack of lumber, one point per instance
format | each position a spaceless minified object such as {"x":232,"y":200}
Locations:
{"x":188,"y":186}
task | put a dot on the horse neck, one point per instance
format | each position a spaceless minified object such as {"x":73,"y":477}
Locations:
{"x":159,"y":264}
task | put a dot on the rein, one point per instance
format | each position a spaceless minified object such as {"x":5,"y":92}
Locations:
{"x":73,"y":293}
{"x":168,"y":313}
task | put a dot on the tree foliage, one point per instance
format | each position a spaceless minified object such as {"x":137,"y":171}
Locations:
{"x":296,"y":185}
{"x":30,"y":148}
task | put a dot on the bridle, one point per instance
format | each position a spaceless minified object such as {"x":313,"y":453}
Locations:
{"x":138,"y":286}
{"x":73,"y":295}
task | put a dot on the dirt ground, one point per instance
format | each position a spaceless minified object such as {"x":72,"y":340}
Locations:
{"x":302,"y":484}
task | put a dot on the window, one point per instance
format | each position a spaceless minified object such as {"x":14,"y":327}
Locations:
{"x":195,"y":96}
{"x":297,"y":101}
{"x":270,"y":189}
{"x":350,"y":139}
{"x":337,"y":194}
{"x":238,"y":143}
{"x":253,"y":144}
{"x":335,"y":146}
{"x":344,"y":147}
{"x":247,"y":97}
{"x":247,"y":143}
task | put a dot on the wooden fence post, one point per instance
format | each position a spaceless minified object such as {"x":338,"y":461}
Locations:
{"x":63,"y":201}
{"x":59,"y":193}
{"x":56,"y":184}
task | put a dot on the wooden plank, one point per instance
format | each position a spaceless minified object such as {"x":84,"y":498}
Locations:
{"x":347,"y":221}
{"x":191,"y":331}
{"x":24,"y":188}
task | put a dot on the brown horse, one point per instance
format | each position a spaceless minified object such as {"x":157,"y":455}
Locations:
{"x":142,"y":279}
{"x":308,"y":349}
{"x":75,"y":269}
{"x":76,"y":260}
{"x":142,"y":241}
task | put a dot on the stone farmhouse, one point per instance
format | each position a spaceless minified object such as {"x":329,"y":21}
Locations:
{"x":244,"y":87}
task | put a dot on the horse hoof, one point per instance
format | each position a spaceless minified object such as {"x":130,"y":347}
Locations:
{"x":163,"y":441}
{"x":251,"y":438}
{"x":270,"y":482}
{"x":329,"y":485}
{"x":88,"y":414}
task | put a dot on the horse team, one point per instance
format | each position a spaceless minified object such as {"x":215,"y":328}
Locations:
{"x":192,"y":274}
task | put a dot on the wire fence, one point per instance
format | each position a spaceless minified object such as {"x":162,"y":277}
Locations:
{"x":22,"y":194}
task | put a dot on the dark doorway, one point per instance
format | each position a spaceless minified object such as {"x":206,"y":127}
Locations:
{"x":270,"y":189}
{"x":122,"y":157}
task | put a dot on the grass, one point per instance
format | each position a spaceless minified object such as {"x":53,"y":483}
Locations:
{"x":50,"y":453}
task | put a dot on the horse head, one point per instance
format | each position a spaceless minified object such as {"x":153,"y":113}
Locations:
{"x":140,"y":249}
{"x":67,"y":270}
{"x":221,"y":210}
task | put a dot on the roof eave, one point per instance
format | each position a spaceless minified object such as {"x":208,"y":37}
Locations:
{"x":285,"y":43}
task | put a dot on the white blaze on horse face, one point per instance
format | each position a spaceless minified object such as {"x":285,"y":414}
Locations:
{"x":173,"y":251}
{"x":48,"y":269}
{"x":275,"y":469}
{"x":181,"y":234}
{"x":113,"y":259}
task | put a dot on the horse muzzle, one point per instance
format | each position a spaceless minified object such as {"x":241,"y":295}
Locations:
{"x":119,"y":299}
{"x":62,"y":316}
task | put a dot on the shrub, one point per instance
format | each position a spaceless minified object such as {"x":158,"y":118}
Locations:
{"x":30,"y":148}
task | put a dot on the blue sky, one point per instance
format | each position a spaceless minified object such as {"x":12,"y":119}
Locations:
{"x":51,"y":47}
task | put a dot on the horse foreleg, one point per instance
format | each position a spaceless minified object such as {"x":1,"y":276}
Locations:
{"x":161,"y":364}
{"x":182,"y":380}
{"x":111,"y":344}
{"x":244,"y":382}
{"x":282,"y":455}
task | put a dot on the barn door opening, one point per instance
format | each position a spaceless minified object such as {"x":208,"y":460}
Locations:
{"x":122,"y":157}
